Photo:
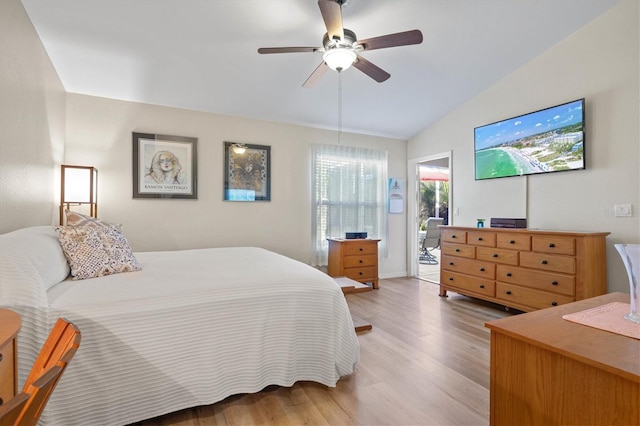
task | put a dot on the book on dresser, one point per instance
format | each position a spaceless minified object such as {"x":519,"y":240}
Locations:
{"x":522,"y":268}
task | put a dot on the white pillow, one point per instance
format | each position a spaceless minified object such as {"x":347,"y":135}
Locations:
{"x":40,"y":246}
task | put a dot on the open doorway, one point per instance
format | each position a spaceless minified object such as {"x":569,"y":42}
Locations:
{"x":431,"y":209}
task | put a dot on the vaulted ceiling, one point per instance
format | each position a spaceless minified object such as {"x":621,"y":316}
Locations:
{"x":202,"y":54}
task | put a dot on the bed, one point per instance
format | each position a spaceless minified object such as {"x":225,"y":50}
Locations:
{"x":190,"y":328}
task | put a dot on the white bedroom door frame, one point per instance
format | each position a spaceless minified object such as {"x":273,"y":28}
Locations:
{"x":413,"y":201}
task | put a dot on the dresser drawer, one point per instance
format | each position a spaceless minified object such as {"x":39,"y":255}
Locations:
{"x":471,"y":284}
{"x":360,"y":260}
{"x":485,"y":239}
{"x":547,"y":281}
{"x":362,"y":274}
{"x":512,"y":295}
{"x":514,"y":241}
{"x":6,"y":372}
{"x":364,"y":247}
{"x":498,"y":255}
{"x":554,"y":244}
{"x":459,"y":250}
{"x":454,"y":236}
{"x":477,"y":268}
{"x":548,"y":262}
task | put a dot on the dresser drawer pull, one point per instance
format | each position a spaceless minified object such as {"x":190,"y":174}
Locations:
{"x":457,"y":250}
{"x":544,"y":262}
{"x":0,"y":357}
{"x":479,"y":238}
{"x":512,"y":242}
{"x":450,"y":263}
{"x":360,"y":261}
{"x":453,"y":236}
{"x":554,"y":282}
{"x":481,"y":269}
{"x":481,"y":285}
{"x":450,"y":278}
{"x":554,"y":303}
{"x":551,"y":245}
{"x":495,"y":254}
{"x":359,"y":273}
{"x":508,"y":291}
{"x":1,"y":401}
{"x":509,"y":274}
{"x":360,"y":249}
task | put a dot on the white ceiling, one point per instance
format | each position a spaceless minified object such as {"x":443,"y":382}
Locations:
{"x":202,"y":54}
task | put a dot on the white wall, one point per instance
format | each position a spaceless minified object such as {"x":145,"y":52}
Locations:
{"x":99,"y":134}
{"x":600,"y":62}
{"x":32,"y":108}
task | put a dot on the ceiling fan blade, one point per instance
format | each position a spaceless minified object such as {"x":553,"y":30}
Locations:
{"x":287,"y":49}
{"x":373,"y":71}
{"x":316,"y":75}
{"x":391,"y":40}
{"x":332,"y":15}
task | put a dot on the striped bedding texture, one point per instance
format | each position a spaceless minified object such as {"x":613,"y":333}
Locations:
{"x":191,"y":328}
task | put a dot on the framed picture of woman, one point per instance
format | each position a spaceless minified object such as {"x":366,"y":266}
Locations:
{"x":164,"y":166}
{"x":247,"y":172}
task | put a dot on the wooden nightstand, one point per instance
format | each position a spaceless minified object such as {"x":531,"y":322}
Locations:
{"x":9,"y":326}
{"x":355,"y":259}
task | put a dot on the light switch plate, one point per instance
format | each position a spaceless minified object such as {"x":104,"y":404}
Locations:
{"x":622,"y":210}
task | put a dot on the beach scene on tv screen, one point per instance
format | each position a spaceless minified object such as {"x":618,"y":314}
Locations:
{"x":544,"y":141}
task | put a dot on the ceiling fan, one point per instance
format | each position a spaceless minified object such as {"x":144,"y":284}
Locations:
{"x":341,"y":47}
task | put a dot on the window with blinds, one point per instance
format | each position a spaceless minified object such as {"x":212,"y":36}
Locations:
{"x":349,"y":195}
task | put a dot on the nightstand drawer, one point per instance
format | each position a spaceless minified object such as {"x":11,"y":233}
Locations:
{"x":360,"y":274}
{"x":367,"y":247}
{"x":360,"y":261}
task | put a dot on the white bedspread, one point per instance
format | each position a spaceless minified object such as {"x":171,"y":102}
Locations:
{"x":194,"y":327}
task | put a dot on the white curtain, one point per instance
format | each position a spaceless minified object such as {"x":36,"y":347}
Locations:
{"x":349,"y":187}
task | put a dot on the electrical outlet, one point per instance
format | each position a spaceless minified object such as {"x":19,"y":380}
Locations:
{"x":622,"y":210}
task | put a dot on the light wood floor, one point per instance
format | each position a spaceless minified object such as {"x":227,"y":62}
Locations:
{"x":426,"y":362}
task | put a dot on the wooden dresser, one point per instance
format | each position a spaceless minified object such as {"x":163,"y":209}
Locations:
{"x":521,"y":268}
{"x":9,"y":326}
{"x":546,"y":370}
{"x":355,"y":259}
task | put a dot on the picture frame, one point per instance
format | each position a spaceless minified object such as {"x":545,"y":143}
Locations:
{"x":164,"y":166}
{"x":247,"y":172}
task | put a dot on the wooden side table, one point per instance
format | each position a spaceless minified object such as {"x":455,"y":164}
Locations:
{"x":10,"y":324}
{"x":547,"y":370}
{"x":355,"y":259}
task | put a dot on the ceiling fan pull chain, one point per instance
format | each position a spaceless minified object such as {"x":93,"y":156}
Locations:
{"x":339,"y":108}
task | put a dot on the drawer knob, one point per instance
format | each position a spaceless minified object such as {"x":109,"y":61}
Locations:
{"x":450,"y":263}
{"x":495,"y":254}
{"x":551,"y":245}
{"x":512,"y":242}
{"x":453,"y":236}
{"x":509,"y":274}
{"x":508,"y":291}
{"x":544,"y":262}
{"x":479,"y":238}
{"x":450,"y":278}
{"x":481,"y":285}
{"x":360,"y":249}
{"x":360,"y":261}
{"x":1,"y":401}
{"x":554,"y":303}
{"x":359,"y":273}
{"x":0,"y":357}
{"x":457,"y":250}
{"x":481,"y":269}
{"x":554,"y":282}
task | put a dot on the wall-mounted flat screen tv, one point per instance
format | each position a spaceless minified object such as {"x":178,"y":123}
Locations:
{"x":545,"y":141}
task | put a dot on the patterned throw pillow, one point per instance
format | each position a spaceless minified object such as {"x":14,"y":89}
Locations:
{"x":79,"y":219}
{"x":96,"y":251}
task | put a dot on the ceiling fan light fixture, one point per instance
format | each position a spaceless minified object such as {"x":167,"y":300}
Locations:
{"x":340,"y":58}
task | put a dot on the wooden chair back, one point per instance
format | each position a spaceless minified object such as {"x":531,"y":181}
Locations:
{"x":39,"y":392}
{"x":11,"y":410}
{"x":61,"y":344}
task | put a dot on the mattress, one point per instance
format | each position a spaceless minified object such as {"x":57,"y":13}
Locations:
{"x":192,"y":328}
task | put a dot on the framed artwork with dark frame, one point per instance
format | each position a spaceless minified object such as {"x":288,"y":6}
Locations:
{"x":247,"y":172}
{"x":164,"y":166}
